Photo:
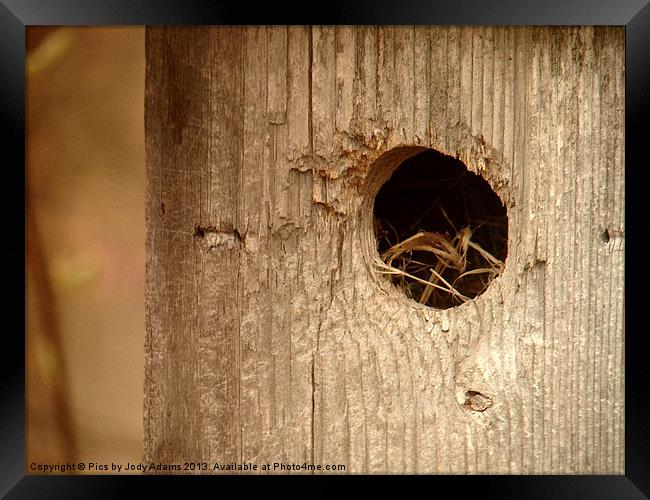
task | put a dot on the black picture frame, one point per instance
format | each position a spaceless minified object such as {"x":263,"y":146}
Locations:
{"x":16,"y":15}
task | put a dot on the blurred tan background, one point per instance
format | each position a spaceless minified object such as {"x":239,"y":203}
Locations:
{"x":85,"y":244}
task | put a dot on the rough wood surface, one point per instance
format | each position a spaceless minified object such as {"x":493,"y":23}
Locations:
{"x":269,"y":338}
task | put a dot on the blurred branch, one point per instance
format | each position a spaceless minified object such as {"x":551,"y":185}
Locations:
{"x":52,"y":46}
{"x":37,"y":261}
{"x":49,"y":50}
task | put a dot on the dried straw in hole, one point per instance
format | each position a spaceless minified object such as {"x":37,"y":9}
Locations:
{"x":437,"y":269}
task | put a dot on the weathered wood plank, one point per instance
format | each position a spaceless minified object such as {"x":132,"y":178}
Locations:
{"x":422,"y":85}
{"x":277,"y":74}
{"x":345,"y":66}
{"x":270,"y":337}
{"x":365,"y":88}
{"x":255,"y":210}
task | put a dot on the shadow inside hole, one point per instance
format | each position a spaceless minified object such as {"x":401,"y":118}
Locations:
{"x":442,"y":228}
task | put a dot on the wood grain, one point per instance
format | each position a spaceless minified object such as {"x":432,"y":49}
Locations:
{"x":270,"y":338}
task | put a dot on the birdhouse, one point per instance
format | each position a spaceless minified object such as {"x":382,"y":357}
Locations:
{"x":385,"y":249}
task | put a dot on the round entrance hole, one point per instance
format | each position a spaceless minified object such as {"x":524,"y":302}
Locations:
{"x":441,"y":230}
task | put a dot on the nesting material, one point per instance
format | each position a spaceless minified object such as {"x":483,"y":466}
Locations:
{"x":441,"y":230}
{"x":438,"y":269}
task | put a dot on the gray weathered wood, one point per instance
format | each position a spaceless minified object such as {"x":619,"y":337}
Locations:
{"x":269,"y":336}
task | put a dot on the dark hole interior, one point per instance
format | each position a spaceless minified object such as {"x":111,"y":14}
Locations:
{"x":442,"y":224}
